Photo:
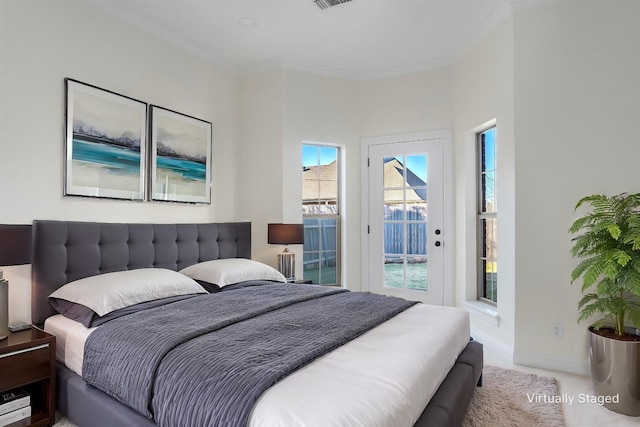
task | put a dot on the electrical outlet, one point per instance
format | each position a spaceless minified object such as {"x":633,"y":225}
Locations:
{"x":556,"y":330}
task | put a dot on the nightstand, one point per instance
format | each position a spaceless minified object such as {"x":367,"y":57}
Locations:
{"x":28,"y":360}
{"x":304,"y":282}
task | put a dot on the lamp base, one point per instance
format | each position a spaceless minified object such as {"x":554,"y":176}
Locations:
{"x":4,"y":306}
{"x":287,"y":265}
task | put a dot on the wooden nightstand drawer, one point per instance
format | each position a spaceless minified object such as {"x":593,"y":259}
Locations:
{"x":25,"y":366}
{"x":27,"y":360}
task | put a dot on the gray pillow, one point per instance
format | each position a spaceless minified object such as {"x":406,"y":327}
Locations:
{"x":89,"y":318}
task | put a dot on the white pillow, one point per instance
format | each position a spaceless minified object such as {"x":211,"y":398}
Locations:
{"x":107,"y":292}
{"x":223,"y":272}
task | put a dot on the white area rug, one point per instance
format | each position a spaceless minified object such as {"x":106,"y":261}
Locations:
{"x":510,"y":398}
{"x":506,"y":399}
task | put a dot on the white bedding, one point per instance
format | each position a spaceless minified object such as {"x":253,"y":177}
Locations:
{"x":384,"y":378}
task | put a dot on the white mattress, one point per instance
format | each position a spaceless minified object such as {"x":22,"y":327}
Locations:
{"x":384,"y":378}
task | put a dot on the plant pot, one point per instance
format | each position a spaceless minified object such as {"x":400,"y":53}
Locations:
{"x":615,"y":371}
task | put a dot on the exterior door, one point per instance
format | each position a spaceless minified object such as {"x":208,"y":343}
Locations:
{"x":406,"y":227}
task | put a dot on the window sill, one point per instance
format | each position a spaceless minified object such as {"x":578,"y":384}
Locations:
{"x":483,"y":310}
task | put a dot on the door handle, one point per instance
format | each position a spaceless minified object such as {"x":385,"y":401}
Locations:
{"x":438,"y":243}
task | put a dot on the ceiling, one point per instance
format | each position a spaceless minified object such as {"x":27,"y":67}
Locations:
{"x":361,"y":39}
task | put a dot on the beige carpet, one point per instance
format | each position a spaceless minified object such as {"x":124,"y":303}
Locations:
{"x":512,"y":398}
{"x":502,"y":401}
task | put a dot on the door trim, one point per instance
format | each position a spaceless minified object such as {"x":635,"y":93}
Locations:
{"x":448,"y":249}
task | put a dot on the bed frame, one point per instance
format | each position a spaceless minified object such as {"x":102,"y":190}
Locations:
{"x":64,"y":251}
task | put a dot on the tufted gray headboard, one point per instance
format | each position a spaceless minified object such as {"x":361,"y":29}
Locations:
{"x":64,"y":251}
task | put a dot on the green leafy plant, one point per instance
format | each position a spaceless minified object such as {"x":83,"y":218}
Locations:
{"x":609,"y":249}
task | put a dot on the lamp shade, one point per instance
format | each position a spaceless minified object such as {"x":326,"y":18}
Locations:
{"x":15,"y":244}
{"x":285,"y":234}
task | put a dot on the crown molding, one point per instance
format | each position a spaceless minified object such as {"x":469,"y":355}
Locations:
{"x":290,"y":64}
{"x":408,"y":69}
{"x":523,"y":4}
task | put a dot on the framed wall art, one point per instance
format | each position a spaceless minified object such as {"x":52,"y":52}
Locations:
{"x":180,"y":157}
{"x":105,"y":143}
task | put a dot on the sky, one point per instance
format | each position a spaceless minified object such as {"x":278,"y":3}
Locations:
{"x":310,"y":155}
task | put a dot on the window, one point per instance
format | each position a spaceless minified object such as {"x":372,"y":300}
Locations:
{"x":321,"y":213}
{"x":487,"y":217}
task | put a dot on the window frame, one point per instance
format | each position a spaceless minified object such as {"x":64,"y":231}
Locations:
{"x":482,"y":215}
{"x":337,"y":216}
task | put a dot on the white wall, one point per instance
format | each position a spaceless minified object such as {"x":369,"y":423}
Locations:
{"x":41,"y":43}
{"x":261,"y":168}
{"x":412,"y":103}
{"x":483,"y":91}
{"x":576,"y":85}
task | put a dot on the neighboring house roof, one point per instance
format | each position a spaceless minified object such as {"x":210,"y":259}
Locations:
{"x":320,"y":183}
{"x":393,"y":179}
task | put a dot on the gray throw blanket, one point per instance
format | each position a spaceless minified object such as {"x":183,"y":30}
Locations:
{"x":205,"y":361}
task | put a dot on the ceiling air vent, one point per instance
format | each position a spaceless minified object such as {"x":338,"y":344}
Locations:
{"x":323,"y":4}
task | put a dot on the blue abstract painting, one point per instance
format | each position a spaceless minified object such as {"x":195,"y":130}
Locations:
{"x":180,"y":157}
{"x":105,"y":143}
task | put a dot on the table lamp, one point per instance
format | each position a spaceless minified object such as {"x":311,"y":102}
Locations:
{"x":15,"y":249}
{"x":286,"y":234}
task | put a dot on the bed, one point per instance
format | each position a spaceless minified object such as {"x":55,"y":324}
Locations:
{"x":346,"y":386}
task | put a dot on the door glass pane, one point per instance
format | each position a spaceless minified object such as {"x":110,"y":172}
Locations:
{"x":393,"y":205}
{"x":393,"y":172}
{"x":417,"y":211}
{"x":417,"y":170}
{"x":393,"y":272}
{"x":417,"y":273}
{"x":417,"y":239}
{"x":393,"y":242}
{"x":405,"y":221}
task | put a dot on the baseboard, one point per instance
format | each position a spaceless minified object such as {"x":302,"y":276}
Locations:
{"x":528,"y":358}
{"x":544,"y":361}
{"x":492,"y":344}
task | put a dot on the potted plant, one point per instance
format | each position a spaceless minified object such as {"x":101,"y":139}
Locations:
{"x":607,"y":242}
